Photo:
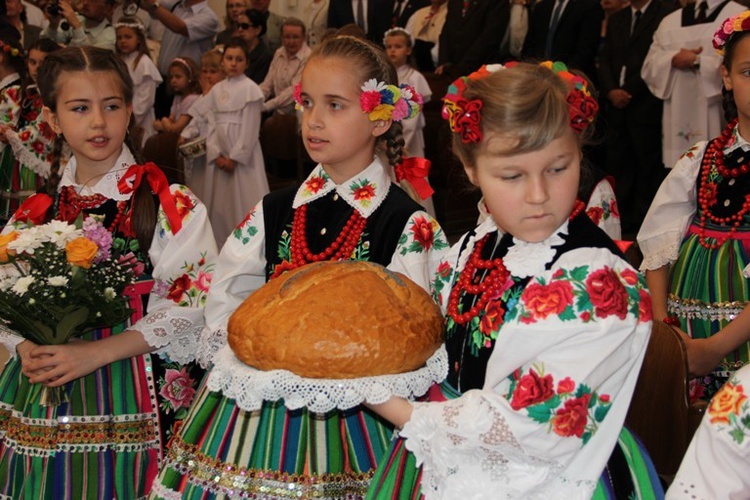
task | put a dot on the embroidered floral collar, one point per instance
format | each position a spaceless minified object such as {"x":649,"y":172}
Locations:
{"x":365,"y":192}
{"x":523,"y":259}
{"x":736,"y":141}
{"x":106,"y":185}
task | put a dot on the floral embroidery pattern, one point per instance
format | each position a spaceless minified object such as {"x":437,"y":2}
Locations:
{"x":185,"y":202}
{"x":570,"y":409}
{"x":584,"y":295}
{"x":314,"y":184}
{"x":245,"y":230}
{"x":690,"y":153}
{"x":177,"y":388}
{"x":730,"y":409}
{"x":443,"y":276}
{"x":606,"y":210}
{"x":425,"y":233}
{"x":191,"y":287}
{"x":363,"y":192}
{"x":284,"y":251}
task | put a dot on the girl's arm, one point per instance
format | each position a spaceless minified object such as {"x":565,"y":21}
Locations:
{"x":657,"y":280}
{"x":177,"y":126}
{"x":396,"y":410}
{"x":704,"y":355}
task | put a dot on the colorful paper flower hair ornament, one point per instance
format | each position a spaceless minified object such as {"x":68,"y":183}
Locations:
{"x":582,"y":107}
{"x":13,"y":51}
{"x":388,"y":102}
{"x":736,"y":24}
{"x":464,"y":117}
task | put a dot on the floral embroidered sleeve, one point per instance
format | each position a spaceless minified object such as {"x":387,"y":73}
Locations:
{"x":602,"y":208}
{"x":183,"y":270}
{"x":32,"y":145}
{"x":10,"y":105}
{"x":670,"y":213}
{"x":717,"y":460}
{"x":557,"y":387}
{"x":240,"y":270}
{"x":420,"y":249}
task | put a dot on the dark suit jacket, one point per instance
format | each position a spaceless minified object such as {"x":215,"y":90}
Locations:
{"x":577,"y":36}
{"x":379,"y":16}
{"x":472,"y":40}
{"x":620,"y":49}
{"x":410,"y":8}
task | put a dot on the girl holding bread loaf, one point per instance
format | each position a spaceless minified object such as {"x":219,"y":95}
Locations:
{"x":546,"y":324}
{"x":347,"y":209}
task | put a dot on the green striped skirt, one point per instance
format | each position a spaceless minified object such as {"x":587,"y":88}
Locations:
{"x":222,"y":451}
{"x":707,"y":290}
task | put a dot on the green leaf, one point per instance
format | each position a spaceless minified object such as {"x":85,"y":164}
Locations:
{"x":79,"y":221}
{"x":601,"y":412}
{"x":69,"y":325}
{"x":737,"y":435}
{"x":586,"y":436}
{"x":568,"y":314}
{"x":583,"y":389}
{"x":579,"y":273}
{"x":540,"y":413}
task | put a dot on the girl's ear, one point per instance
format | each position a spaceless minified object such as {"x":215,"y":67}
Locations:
{"x":381,"y":127}
{"x":726,"y":78}
{"x":51,"y":118}
{"x":471,"y":173}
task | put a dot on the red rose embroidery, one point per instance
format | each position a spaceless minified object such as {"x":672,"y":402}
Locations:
{"x":247,"y":217}
{"x":543,"y":300}
{"x":444,"y":269}
{"x":492,"y":319}
{"x":532,"y":389}
{"x":644,"y":306}
{"x":364,"y":192}
{"x":183,"y":203}
{"x":178,"y":388}
{"x":422,"y":230}
{"x":629,"y":276}
{"x":595,"y":214}
{"x":571,"y":419}
{"x":25,"y":135}
{"x":613,"y":208}
{"x":585,"y":316}
{"x":38,"y":147}
{"x":565,"y":386}
{"x":607,"y":293}
{"x":178,"y":288}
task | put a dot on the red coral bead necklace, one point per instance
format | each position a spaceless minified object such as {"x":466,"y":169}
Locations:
{"x":72,"y":204}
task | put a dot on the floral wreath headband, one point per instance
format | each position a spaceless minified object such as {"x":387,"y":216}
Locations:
{"x":13,"y":51}
{"x":135,"y":26}
{"x":381,"y":100}
{"x":398,"y":31}
{"x":464,"y":116}
{"x":732,"y":25}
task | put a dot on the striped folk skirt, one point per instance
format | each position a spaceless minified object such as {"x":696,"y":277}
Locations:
{"x":222,"y":451}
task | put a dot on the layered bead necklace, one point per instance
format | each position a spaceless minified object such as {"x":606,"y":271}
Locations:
{"x":707,"y":192}
{"x":72,"y":204}
{"x":488,"y":287}
{"x":341,"y":248}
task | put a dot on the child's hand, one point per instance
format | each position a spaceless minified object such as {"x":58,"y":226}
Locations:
{"x":158,"y":126}
{"x":56,"y":365}
{"x":24,"y":350}
{"x":225,"y":163}
{"x":702,"y":357}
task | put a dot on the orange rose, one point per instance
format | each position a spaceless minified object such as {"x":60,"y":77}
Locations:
{"x":81,"y":252}
{"x":4,"y":240}
{"x":725,"y":402}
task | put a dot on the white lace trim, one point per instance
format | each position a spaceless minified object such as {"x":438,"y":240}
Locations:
{"x":162,"y":491}
{"x":25,"y":157}
{"x":174,"y":332}
{"x":250,"y":387}
{"x":9,"y":339}
{"x":526,"y":259}
{"x":664,"y":256}
{"x":210,"y":343}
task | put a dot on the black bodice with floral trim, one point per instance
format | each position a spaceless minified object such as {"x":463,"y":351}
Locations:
{"x":326,"y":218}
{"x":470,"y":345}
{"x":730,"y":192}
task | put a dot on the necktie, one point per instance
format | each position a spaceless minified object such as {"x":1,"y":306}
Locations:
{"x":360,"y":15}
{"x":553,"y":27}
{"x":396,"y":13}
{"x":702,"y":9}
{"x":636,"y":20}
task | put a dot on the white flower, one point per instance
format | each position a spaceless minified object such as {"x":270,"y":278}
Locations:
{"x":7,"y":283}
{"x":59,"y":232}
{"x":23,"y":284}
{"x":57,"y":280}
{"x":494,"y":67}
{"x":109,"y":293}
{"x":373,"y":84}
{"x":32,"y":302}
{"x":28,"y":240}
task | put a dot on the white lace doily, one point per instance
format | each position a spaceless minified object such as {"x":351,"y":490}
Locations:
{"x":249,"y":387}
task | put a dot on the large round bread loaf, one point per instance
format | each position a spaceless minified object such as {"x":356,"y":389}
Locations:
{"x":337,"y":320}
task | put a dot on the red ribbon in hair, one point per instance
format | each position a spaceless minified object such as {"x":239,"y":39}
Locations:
{"x":415,"y":170}
{"x":159,"y":186}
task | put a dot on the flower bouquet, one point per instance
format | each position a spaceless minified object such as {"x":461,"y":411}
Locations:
{"x":65,"y":279}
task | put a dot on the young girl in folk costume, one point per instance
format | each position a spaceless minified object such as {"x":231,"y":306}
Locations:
{"x":132,"y":47}
{"x":546,"y":324}
{"x":398,"y":45}
{"x":225,"y":450}
{"x":230,"y":113}
{"x":696,"y":236}
{"x":107,"y":441}
{"x":32,"y":138}
{"x":196,"y":174}
{"x":11,"y":72}
{"x":184,"y":82}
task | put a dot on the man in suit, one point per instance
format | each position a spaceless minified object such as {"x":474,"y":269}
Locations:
{"x":377,"y":16}
{"x":404,"y":9}
{"x":567,"y":31}
{"x":631,"y":112}
{"x":471,"y":35}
